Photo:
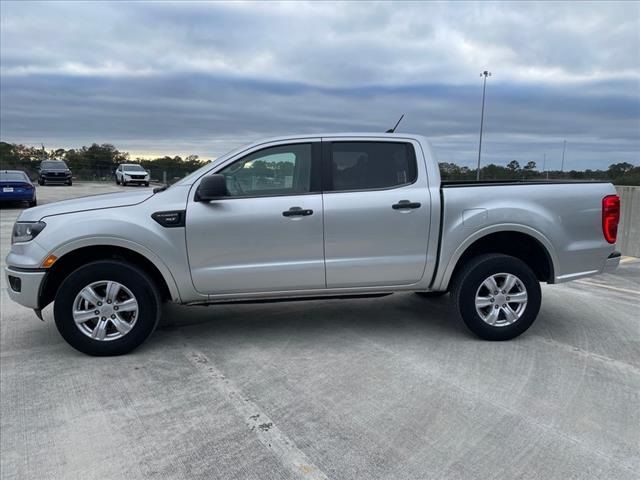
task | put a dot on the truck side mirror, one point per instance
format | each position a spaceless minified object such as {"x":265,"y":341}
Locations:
{"x":212,"y":187}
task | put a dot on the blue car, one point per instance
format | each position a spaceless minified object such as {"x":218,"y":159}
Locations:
{"x":15,"y":186}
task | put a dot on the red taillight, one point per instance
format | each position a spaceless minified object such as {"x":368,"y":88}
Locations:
{"x":610,"y":217}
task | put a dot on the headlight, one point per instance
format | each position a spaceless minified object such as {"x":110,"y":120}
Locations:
{"x":26,"y":231}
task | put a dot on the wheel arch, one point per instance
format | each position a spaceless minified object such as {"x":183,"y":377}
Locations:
{"x":70,"y":257}
{"x":519,"y":241}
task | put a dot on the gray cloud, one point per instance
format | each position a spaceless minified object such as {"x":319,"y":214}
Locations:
{"x":202,"y":78}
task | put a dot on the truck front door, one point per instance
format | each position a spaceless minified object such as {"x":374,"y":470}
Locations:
{"x":266,"y":235}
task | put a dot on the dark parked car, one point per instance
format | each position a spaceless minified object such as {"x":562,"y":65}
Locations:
{"x":54,"y":171}
{"x":15,"y":186}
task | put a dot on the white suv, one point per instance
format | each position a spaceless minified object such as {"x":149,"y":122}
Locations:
{"x":131,"y":173}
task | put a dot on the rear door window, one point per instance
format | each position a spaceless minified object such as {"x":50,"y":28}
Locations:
{"x":370,"y":165}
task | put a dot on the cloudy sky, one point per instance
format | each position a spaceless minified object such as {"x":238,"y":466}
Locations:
{"x":202,"y":78}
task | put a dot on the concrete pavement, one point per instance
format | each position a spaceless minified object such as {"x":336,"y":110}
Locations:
{"x":391,"y":388}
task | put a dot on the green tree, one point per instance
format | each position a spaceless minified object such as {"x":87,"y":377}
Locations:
{"x":529,"y":169}
{"x":513,"y":166}
{"x":619,"y":169}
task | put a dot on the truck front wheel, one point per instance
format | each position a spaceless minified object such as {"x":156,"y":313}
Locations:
{"x":107,"y":307}
{"x":497,"y":296}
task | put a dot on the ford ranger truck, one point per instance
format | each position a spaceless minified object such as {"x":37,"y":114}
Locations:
{"x":304,"y":217}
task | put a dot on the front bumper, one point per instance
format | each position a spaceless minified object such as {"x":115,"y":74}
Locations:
{"x":136,"y":180}
{"x":55,"y":178}
{"x":23,"y":285}
{"x":612,"y":262}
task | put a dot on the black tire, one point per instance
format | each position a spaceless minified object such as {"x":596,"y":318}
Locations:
{"x":70,"y":183}
{"x":33,"y":203}
{"x":471,"y":277}
{"x":126,"y":274}
{"x":146,"y":184}
{"x":117,"y":181}
{"x":431,"y":294}
{"x":41,"y":181}
{"x":124,"y":184}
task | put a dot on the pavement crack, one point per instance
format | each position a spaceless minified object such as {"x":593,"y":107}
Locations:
{"x":258,"y":422}
{"x":265,"y":427}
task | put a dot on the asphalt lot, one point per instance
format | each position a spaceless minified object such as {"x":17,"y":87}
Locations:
{"x":391,"y":388}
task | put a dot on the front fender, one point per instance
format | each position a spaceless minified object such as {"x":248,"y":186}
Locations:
{"x":129,"y":245}
{"x":131,"y":228}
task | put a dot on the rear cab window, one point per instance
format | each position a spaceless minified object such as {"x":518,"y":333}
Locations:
{"x":372,"y":165}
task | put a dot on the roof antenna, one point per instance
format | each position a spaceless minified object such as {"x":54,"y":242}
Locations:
{"x":393,"y":130}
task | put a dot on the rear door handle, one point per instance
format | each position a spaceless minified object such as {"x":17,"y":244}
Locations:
{"x":297,"y":212}
{"x":402,"y":204}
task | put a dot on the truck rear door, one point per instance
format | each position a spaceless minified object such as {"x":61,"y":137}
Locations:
{"x":376,"y":212}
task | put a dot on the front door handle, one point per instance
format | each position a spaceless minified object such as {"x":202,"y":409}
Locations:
{"x":402,"y":204}
{"x":297,"y":212}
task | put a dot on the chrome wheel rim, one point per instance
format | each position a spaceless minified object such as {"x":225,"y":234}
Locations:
{"x":105,"y":310}
{"x":501,"y":299}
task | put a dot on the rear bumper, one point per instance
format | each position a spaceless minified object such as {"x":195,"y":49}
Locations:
{"x":16,"y":196}
{"x":612,"y":262}
{"x":23,"y":285}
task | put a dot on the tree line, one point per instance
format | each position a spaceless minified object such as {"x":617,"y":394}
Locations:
{"x":622,"y":173}
{"x":98,"y":162}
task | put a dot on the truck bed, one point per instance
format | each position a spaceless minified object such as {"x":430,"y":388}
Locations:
{"x":565,"y":217}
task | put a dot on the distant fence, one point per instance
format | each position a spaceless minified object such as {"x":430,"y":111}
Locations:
{"x":629,"y":228}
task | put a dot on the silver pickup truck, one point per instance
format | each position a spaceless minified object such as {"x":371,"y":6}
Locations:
{"x":303,"y":217}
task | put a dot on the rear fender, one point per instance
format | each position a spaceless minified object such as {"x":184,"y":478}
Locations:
{"x":443,"y":277}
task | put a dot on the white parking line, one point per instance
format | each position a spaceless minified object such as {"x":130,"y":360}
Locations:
{"x":258,"y":422}
{"x":622,"y":290}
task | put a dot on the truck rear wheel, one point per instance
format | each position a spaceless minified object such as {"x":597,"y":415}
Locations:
{"x":107,"y":307}
{"x":497,"y":296}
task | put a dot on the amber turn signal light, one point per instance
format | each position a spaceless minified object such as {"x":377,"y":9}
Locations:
{"x":50,"y":260}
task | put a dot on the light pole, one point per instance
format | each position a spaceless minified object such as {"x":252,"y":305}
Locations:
{"x":484,"y":74}
{"x":544,"y":165}
{"x":564,"y":148}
